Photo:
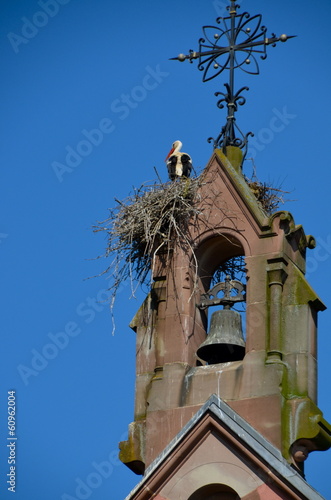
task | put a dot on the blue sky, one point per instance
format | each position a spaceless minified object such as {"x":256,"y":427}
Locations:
{"x":90,"y":105}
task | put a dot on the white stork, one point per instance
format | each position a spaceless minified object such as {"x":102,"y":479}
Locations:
{"x":179,"y":164}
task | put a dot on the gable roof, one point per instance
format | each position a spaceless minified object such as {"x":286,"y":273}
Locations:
{"x":216,"y":410}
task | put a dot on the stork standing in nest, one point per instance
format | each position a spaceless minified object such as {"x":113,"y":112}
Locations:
{"x":179,"y":164}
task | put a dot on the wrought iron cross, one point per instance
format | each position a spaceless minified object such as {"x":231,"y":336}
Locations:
{"x":232,"y":46}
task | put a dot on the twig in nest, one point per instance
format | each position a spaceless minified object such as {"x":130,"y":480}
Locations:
{"x":270,"y":198}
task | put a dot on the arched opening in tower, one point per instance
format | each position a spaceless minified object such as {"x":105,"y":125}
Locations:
{"x":215,"y":492}
{"x":222,"y":277}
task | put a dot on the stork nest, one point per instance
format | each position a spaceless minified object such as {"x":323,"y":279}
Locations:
{"x":156,"y":218}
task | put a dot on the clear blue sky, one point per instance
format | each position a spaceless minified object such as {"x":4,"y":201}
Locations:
{"x":77,"y":66}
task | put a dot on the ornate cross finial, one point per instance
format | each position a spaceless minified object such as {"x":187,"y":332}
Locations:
{"x":232,"y":46}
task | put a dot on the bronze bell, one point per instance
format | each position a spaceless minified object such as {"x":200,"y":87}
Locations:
{"x":225,"y":339}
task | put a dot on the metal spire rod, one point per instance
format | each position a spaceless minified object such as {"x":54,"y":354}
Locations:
{"x":241,"y":37}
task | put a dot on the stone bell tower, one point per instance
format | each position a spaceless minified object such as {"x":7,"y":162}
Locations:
{"x":271,"y":383}
{"x":219,"y":413}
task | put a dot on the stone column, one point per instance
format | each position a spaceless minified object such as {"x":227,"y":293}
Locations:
{"x":276,"y":279}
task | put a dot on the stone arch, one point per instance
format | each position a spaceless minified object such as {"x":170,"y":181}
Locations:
{"x":213,"y":249}
{"x":221,"y":473}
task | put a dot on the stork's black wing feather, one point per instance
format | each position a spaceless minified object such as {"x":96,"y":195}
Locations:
{"x":187,"y":165}
{"x":171,"y":164}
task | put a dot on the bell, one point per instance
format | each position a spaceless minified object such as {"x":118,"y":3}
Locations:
{"x":225,"y":339}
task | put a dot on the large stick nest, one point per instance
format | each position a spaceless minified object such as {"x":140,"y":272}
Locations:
{"x":155,"y":217}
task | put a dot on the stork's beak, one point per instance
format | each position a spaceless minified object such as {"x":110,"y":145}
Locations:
{"x":170,"y":153}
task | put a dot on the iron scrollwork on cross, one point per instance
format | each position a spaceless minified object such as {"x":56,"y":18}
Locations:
{"x":232,"y":46}
{"x":228,"y":299}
